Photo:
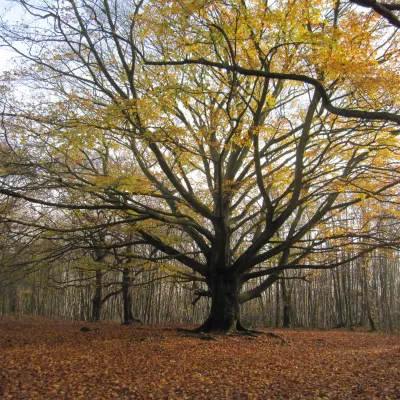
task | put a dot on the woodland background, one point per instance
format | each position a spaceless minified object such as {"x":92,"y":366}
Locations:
{"x":352,"y":295}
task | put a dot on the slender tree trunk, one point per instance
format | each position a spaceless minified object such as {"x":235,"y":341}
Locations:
{"x":362,"y":285}
{"x":277,"y":307}
{"x":127,"y":298}
{"x":367,"y":304}
{"x":14,"y":300}
{"x":338,"y":298}
{"x":82,"y":300}
{"x":370,"y":319}
{"x":96,"y":300}
{"x":287,"y":307}
{"x":82,"y":307}
{"x":98,"y":256}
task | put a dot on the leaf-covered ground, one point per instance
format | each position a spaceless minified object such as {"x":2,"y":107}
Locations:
{"x":52,"y":359}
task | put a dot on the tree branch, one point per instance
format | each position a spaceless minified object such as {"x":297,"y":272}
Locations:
{"x":319,"y":87}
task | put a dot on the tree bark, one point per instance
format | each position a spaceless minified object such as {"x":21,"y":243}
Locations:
{"x":14,"y":300}
{"x":96,"y":300}
{"x":127,"y":298}
{"x":287,"y":306}
{"x":225,"y":309}
{"x":339,"y":303}
{"x":367,"y":303}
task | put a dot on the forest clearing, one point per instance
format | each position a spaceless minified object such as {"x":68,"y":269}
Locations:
{"x":222,"y":165}
{"x":45,"y":358}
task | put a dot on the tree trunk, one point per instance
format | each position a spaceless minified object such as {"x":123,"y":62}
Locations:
{"x":370,"y":319}
{"x":96,"y":301}
{"x":367,"y":304}
{"x":225,"y":310}
{"x":287,"y":307}
{"x":127,"y":298}
{"x":277,"y":307}
{"x":82,"y":307}
{"x":338,"y":298}
{"x":14,"y":300}
{"x":82,"y":300}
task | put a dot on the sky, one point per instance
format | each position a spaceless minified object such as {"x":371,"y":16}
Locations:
{"x":9,"y":12}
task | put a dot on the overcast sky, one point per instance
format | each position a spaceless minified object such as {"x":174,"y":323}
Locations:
{"x":8,"y":11}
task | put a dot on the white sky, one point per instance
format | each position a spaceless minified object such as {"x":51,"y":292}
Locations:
{"x":8,"y":11}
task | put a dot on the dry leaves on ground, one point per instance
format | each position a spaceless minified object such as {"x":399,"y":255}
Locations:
{"x":52,"y":359}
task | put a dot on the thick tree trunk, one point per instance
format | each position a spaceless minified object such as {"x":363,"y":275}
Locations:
{"x":225,"y":309}
{"x":223,"y":281}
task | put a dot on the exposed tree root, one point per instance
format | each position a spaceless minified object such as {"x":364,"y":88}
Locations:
{"x":193,"y":331}
{"x":238,"y":331}
{"x":275,"y":336}
{"x":86,"y":329}
{"x":132,"y":321}
{"x":206,"y":336}
{"x":205,"y":329}
{"x":251,"y":332}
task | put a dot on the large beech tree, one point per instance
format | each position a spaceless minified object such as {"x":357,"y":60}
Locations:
{"x":231,"y":134}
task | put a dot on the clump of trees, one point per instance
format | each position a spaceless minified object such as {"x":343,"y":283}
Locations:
{"x":235,"y":145}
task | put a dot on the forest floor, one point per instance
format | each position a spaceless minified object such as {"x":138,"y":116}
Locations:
{"x":44,"y":358}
